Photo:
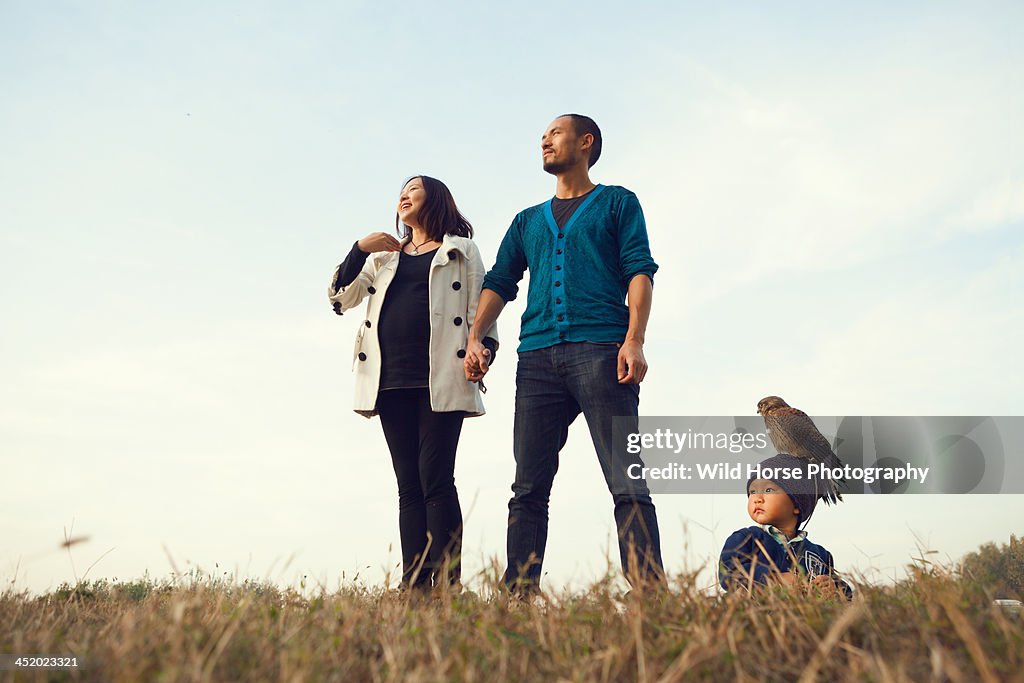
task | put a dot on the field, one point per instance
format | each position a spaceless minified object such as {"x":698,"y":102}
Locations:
{"x":934,"y":626}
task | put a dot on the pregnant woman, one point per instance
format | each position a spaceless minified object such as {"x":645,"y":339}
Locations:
{"x":422,"y":292}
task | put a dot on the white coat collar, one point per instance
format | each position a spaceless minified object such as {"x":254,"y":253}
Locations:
{"x":451,"y":245}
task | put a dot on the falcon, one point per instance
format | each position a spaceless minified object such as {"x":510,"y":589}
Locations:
{"x":792,"y":432}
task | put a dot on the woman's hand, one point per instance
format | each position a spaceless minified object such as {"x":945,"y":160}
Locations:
{"x":378,"y":241}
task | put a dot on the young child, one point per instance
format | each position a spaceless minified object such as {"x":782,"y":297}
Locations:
{"x":776,"y":550}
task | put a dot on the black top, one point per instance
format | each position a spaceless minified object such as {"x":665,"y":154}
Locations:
{"x":404,"y":325}
{"x":563,"y":209}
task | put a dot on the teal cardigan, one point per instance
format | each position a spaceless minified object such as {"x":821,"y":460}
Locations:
{"x":579,"y":275}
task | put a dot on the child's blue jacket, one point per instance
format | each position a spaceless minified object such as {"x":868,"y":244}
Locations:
{"x":754,"y":553}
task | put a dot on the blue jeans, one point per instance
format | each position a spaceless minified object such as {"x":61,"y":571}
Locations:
{"x":553,"y":385}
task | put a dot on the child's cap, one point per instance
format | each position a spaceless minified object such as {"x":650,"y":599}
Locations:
{"x":804,"y":492}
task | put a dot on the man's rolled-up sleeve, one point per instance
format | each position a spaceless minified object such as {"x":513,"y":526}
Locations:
{"x":509,"y":265}
{"x":634,"y":246}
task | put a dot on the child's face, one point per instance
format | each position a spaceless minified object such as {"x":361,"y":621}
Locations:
{"x":767,"y":503}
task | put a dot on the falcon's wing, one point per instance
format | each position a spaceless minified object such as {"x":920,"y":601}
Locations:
{"x":798,"y":435}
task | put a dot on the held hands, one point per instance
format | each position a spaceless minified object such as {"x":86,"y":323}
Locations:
{"x":378,"y":241}
{"x":477,"y":361}
{"x":632,"y":364}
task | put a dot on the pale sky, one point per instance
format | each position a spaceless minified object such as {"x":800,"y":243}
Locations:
{"x":834,"y":193}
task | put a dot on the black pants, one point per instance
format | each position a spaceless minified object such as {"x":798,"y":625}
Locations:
{"x":423,"y":445}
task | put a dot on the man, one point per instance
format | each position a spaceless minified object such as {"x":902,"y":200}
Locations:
{"x":581,"y":347}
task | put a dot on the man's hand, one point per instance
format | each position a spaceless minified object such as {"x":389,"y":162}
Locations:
{"x":632,"y":364}
{"x":477,"y":360}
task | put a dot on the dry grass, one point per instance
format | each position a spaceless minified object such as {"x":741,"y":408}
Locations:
{"x":935,"y":626}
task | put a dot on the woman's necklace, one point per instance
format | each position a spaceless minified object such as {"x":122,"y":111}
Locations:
{"x":416,"y":247}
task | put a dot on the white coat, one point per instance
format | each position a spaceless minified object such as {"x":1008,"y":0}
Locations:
{"x":454,"y":282}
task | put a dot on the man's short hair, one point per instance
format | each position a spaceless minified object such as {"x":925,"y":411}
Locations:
{"x":583,"y":125}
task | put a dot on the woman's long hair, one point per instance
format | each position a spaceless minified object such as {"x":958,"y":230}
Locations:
{"x":439,"y":215}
